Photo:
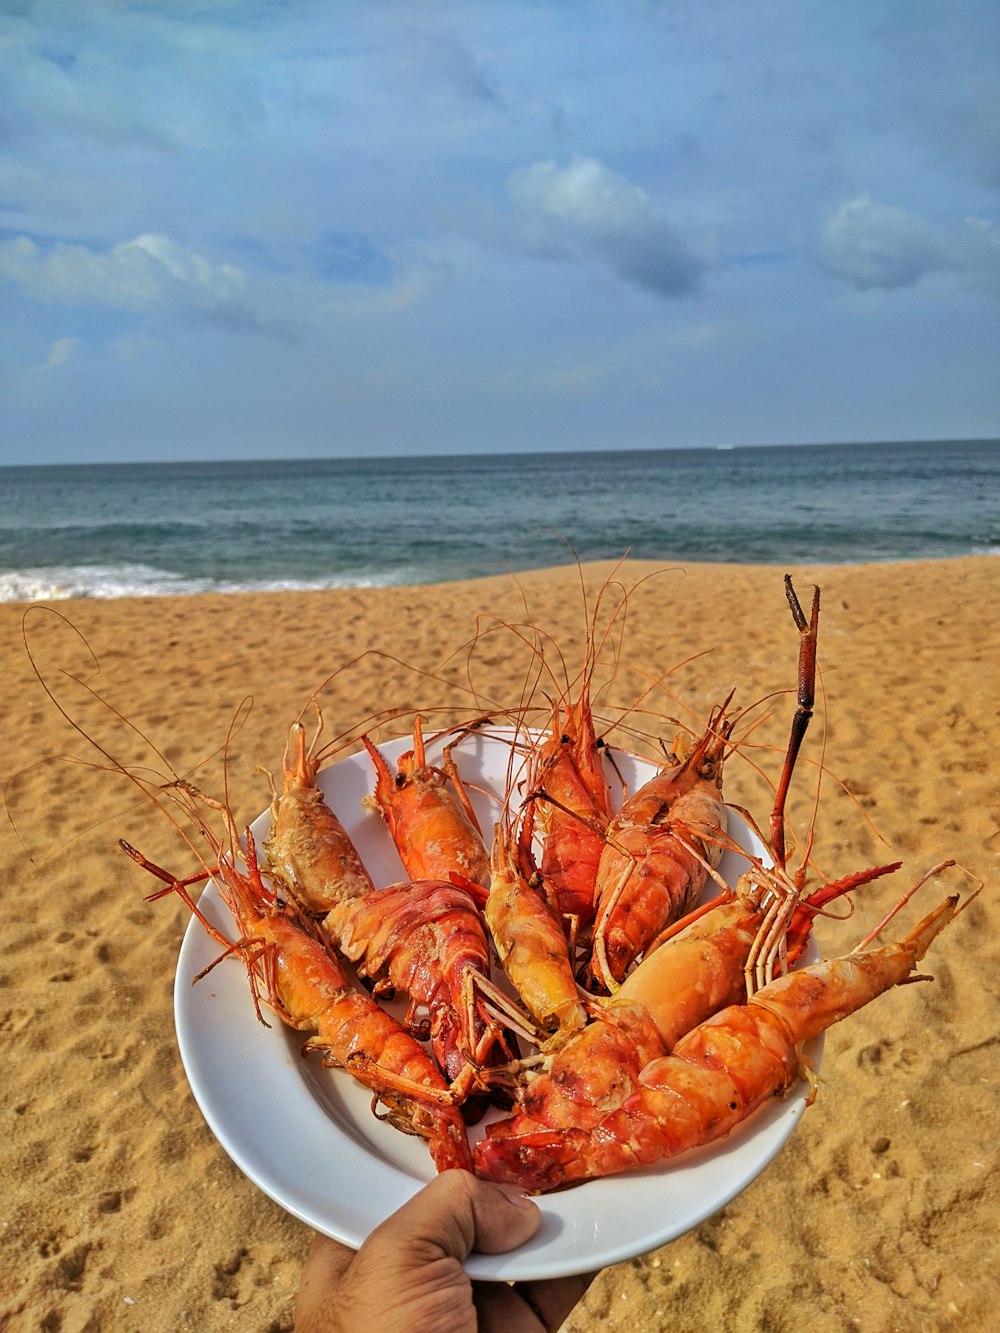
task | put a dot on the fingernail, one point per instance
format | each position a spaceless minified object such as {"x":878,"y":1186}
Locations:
{"x":521,"y":1201}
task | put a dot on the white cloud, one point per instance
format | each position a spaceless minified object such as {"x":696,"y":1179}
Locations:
{"x":62,"y":351}
{"x":867,"y":244}
{"x":586,"y":193}
{"x":150,"y":274}
{"x":586,"y":207}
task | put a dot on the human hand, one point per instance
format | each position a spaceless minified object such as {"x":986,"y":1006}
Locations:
{"x":408,"y":1277}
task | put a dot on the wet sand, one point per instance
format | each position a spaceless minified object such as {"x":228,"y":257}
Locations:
{"x":120,"y":1209}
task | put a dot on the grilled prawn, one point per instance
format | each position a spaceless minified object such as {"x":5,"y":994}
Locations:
{"x":292,"y":971}
{"x":429,"y":815}
{"x":427,"y":940}
{"x":717,"y":1075}
{"x":658,"y":851}
{"x":308,"y":848}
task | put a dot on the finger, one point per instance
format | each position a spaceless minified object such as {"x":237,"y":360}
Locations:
{"x":327,"y":1258}
{"x":325,"y":1263}
{"x":455,"y":1214}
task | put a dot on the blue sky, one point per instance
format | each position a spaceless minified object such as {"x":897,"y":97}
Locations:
{"x":240,"y":229}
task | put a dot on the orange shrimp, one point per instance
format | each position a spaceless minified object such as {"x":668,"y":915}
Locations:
{"x":307,"y":847}
{"x":429,"y":815}
{"x":574,"y":806}
{"x":297,"y":976}
{"x":697,"y":971}
{"x":529,"y":939}
{"x":717,"y":1075}
{"x":658,"y":851}
{"x":705,"y":965}
{"x":427,"y":939}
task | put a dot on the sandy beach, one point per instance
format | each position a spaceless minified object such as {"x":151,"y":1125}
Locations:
{"x":120,"y":1209}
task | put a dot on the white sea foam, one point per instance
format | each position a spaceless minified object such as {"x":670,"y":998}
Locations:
{"x":108,"y":581}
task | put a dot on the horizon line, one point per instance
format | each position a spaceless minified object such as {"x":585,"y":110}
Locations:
{"x":505,"y":453}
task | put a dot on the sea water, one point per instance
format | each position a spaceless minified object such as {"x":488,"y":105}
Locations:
{"x":112,"y":530}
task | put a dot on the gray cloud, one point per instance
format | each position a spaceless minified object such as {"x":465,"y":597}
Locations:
{"x":439,"y":60}
{"x":940,"y":74}
{"x":587,"y":208}
{"x":871,"y":245}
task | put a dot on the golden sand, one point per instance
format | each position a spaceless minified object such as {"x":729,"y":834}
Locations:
{"x":120,"y":1211}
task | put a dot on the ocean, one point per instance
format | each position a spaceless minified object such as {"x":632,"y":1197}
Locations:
{"x":120,"y":530}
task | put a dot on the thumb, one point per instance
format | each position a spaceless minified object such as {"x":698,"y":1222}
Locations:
{"x":454,"y":1215}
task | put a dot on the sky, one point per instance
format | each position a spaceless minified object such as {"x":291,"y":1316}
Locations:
{"x":285,"y":228}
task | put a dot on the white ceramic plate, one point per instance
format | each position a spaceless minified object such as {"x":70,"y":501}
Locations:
{"x":306,"y":1136}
